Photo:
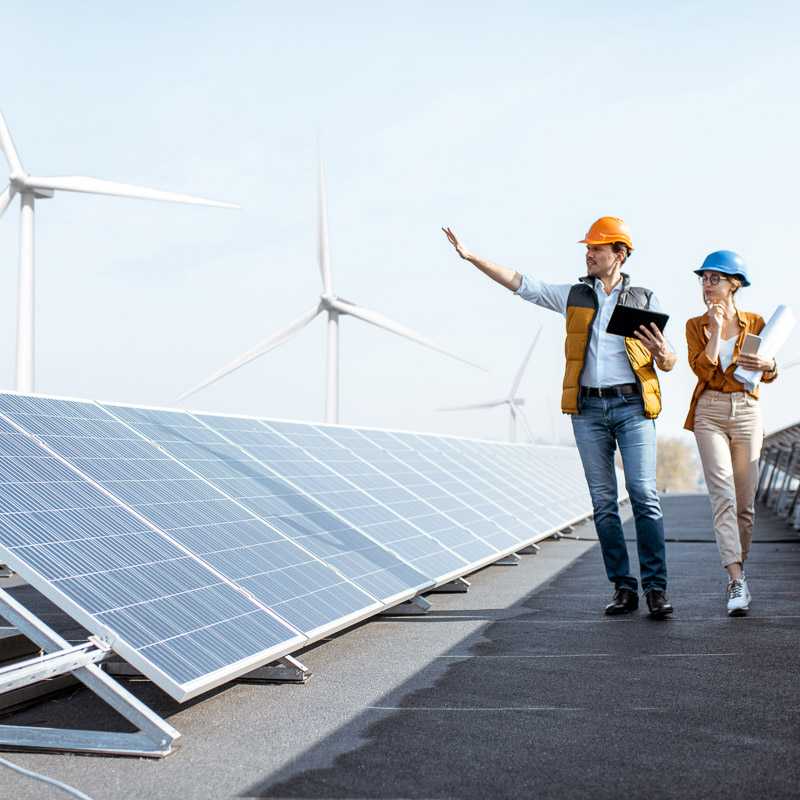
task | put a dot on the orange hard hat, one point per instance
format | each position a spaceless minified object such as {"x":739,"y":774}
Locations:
{"x":608,"y":230}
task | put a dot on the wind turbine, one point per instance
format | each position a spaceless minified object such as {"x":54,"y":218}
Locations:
{"x":513,"y":402}
{"x":334,"y":306}
{"x":31,"y":188}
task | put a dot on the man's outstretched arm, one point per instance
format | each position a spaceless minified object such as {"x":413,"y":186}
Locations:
{"x":552,"y":296}
{"x":505,"y":277}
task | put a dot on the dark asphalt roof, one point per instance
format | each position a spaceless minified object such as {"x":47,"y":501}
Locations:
{"x":556,"y":701}
{"x":687,"y":518}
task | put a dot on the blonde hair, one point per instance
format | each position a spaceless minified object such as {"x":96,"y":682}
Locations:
{"x":736,"y":284}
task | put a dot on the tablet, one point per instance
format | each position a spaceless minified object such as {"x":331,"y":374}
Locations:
{"x":626,"y":319}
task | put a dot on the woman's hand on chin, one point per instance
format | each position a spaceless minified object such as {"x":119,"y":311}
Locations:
{"x":716,"y":316}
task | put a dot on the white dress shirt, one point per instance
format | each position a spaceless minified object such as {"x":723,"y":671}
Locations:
{"x":606,"y":361}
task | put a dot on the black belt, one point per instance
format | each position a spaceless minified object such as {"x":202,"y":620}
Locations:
{"x":610,"y":391}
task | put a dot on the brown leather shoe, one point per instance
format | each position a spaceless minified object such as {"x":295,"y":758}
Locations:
{"x":624,"y":602}
{"x":657,"y":603}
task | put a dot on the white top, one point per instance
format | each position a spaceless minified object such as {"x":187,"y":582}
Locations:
{"x":606,"y":362}
{"x":726,"y":352}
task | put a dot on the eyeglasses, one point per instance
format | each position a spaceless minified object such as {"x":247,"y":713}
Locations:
{"x":712,"y":278}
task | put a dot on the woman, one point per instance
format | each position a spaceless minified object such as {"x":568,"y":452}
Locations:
{"x":725,"y":417}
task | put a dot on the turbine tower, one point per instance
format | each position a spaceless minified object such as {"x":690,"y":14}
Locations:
{"x":31,"y":188}
{"x":335,"y":307}
{"x":513,"y":402}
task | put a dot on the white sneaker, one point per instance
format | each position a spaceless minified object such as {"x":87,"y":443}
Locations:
{"x":738,"y":595}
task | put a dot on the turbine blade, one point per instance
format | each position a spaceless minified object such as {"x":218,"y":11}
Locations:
{"x":379,"y":321}
{"x":7,"y":146}
{"x":322,"y":234}
{"x":472,"y":406}
{"x":525,"y":423}
{"x":260,"y":349}
{"x":790,"y":364}
{"x":523,"y":366}
{"x":6,"y":198}
{"x":80,"y":183}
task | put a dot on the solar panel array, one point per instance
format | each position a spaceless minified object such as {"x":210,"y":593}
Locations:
{"x":201,"y":546}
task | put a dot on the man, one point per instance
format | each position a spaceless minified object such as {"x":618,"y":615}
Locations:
{"x":612,"y":393}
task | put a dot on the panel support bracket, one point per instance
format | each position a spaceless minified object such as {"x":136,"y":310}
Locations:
{"x":512,"y":560}
{"x":568,"y":532}
{"x":456,"y":586}
{"x":529,"y":550}
{"x":414,"y":607}
{"x":50,"y":665}
{"x":154,"y":737}
{"x":564,"y":533}
{"x":284,"y":670}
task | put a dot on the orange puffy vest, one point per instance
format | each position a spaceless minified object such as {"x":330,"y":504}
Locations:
{"x":581,"y":311}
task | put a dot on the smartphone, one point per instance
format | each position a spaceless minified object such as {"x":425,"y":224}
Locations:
{"x":751,"y":344}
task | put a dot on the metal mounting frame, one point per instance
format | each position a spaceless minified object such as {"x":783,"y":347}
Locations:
{"x":414,"y":607}
{"x":284,"y":670}
{"x":566,"y":533}
{"x":764,"y":466}
{"x":770,"y":472}
{"x":787,"y":481}
{"x":456,"y":586}
{"x":154,"y":737}
{"x":511,"y":560}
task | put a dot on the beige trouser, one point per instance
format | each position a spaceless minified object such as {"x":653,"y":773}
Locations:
{"x":729,"y":435}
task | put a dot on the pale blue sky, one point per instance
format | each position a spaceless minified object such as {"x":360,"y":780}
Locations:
{"x":517,"y":124}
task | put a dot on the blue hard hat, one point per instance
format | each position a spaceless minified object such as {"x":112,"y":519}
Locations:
{"x":727,"y":262}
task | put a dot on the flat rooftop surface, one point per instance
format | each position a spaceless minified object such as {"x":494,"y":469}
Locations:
{"x":520,"y":688}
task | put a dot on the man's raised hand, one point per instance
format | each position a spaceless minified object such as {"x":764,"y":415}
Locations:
{"x":453,"y":239}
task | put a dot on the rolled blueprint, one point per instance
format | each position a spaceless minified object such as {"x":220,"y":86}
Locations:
{"x":773,"y":337}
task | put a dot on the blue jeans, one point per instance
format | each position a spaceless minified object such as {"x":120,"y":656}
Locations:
{"x":603,"y":424}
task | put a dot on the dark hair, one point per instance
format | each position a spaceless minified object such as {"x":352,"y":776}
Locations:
{"x":621,"y":247}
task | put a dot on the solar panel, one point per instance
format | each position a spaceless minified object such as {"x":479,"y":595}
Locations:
{"x":557,"y":471}
{"x":500,"y":508}
{"x":216,"y":456}
{"x":274,"y":571}
{"x":163,"y":610}
{"x":414,"y":497}
{"x":356,"y":501}
{"x":202,"y":546}
{"x":439,"y":483}
{"x":509,"y":491}
{"x":536,"y":476}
